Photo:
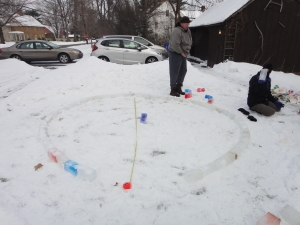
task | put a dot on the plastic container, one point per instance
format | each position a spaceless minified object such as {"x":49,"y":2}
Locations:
{"x":86,"y":173}
{"x":71,"y":167}
{"x":290,"y":215}
{"x":143,"y":118}
{"x":200,"y":89}
{"x":269,"y":219}
{"x":57,"y":156}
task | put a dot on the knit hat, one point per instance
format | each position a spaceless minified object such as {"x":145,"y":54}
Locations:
{"x":268,"y":66}
{"x":185,"y":19}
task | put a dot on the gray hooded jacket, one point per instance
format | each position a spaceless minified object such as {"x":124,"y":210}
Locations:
{"x":180,"y":40}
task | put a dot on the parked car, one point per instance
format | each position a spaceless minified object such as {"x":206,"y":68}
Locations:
{"x":38,"y":50}
{"x":124,"y":51}
{"x":143,"y":41}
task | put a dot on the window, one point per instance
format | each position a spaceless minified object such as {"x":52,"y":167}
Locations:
{"x":114,"y":43}
{"x":28,"y":45}
{"x":104,"y":43}
{"x":130,"y":44}
{"x":40,"y":45}
{"x":142,"y":41}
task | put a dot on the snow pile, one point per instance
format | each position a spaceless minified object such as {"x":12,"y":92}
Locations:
{"x":91,"y":103}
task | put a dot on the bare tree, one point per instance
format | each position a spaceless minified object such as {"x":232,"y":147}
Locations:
{"x":195,"y":5}
{"x":65,"y":9}
{"x":57,"y":14}
{"x":9,"y":11}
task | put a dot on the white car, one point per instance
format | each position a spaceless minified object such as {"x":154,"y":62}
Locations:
{"x":124,"y":51}
{"x":143,"y":41}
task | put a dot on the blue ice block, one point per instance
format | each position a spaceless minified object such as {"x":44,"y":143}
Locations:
{"x":143,"y":118}
{"x":208,"y":97}
{"x":71,"y":167}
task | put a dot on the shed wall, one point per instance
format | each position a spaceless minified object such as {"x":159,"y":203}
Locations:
{"x":264,"y":35}
{"x":279,"y":42}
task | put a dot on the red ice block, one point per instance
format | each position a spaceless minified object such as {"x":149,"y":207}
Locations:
{"x":57,"y":156}
{"x":53,"y":152}
{"x":269,"y":219}
{"x":188,"y":95}
{"x":127,"y":185}
{"x":200,"y":89}
{"x":210,"y":101}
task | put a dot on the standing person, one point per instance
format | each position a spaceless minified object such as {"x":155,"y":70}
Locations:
{"x":179,"y":47}
{"x":260,"y":98}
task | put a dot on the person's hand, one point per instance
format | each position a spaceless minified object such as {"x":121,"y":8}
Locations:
{"x":279,"y":104}
{"x":183,"y":54}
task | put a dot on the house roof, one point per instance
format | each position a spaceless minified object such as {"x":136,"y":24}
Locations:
{"x":50,"y":29}
{"x":219,"y":12}
{"x":28,"y":21}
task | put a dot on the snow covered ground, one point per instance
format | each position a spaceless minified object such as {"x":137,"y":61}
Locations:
{"x":99,"y":131}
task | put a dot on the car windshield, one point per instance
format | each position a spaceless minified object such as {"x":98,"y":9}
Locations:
{"x":52,"y":45}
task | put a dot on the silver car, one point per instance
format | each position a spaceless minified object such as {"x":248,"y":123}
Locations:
{"x":38,"y":50}
{"x":124,"y":51}
{"x":143,"y":41}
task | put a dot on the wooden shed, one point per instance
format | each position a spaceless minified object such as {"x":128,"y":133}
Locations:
{"x":252,"y":31}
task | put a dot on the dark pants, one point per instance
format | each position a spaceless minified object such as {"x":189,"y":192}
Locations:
{"x":266,"y":110}
{"x":177,"y":66}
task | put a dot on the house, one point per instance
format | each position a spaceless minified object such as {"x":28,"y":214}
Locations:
{"x":29,"y":26}
{"x":252,"y":31}
{"x":163,"y":22}
{"x":49,"y":33}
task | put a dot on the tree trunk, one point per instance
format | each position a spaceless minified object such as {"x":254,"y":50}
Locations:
{"x":2,"y":41}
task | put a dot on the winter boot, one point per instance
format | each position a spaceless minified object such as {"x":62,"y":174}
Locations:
{"x":178,"y":89}
{"x":174,"y":92}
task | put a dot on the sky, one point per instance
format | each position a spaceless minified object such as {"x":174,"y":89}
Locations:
{"x":90,"y":112}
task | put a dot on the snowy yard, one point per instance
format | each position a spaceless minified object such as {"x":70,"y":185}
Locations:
{"x":97,"y":107}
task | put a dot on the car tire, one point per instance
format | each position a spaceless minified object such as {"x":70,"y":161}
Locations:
{"x":104,"y":58}
{"x":16,"y":57}
{"x":64,"y":58}
{"x":151,"y":59}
